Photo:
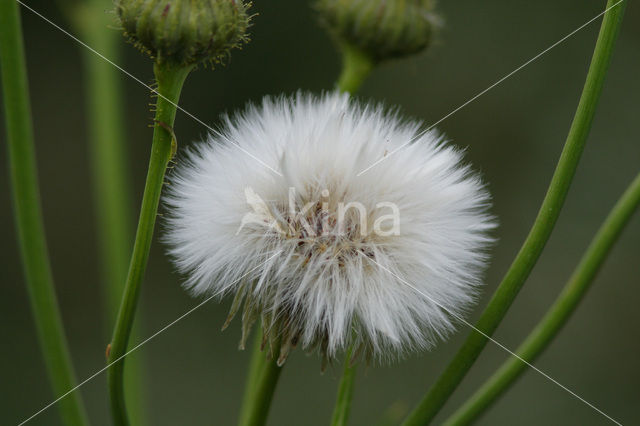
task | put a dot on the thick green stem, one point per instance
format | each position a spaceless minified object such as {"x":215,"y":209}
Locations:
{"x":28,"y":214}
{"x":345,"y":393}
{"x":356,"y":67}
{"x":170,"y":81}
{"x":253,"y":376}
{"x":560,"y":311}
{"x":111,"y":180}
{"x":539,"y":233}
{"x":262,"y":391}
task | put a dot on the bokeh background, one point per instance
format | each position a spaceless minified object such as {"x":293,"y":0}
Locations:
{"x":513,"y":135}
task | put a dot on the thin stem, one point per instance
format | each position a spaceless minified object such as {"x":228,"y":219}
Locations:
{"x":356,"y":67}
{"x":170,"y":81}
{"x":28,"y":214}
{"x":111,"y":180}
{"x":345,"y":393}
{"x":539,"y":233}
{"x":263,"y":390}
{"x":256,"y":366}
{"x":559,"y":313}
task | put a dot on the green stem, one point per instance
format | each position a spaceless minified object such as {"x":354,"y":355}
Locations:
{"x":28,"y":213}
{"x":345,"y":393}
{"x":356,"y":67}
{"x":258,"y":410}
{"x":256,"y":365}
{"x":540,"y":232}
{"x":111,"y":180}
{"x":560,"y":311}
{"x":170,"y":81}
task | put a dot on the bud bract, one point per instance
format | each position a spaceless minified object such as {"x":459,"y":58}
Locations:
{"x":184,"y":32}
{"x":382,"y":29}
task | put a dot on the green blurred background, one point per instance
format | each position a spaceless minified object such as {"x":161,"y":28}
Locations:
{"x":513,"y":135}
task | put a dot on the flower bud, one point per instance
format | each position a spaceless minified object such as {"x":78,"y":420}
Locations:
{"x":184,"y":32}
{"x":382,"y":29}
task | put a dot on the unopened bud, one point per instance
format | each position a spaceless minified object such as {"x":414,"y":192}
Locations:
{"x":184,"y":32}
{"x":382,"y":29}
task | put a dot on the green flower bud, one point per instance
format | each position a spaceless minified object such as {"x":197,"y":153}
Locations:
{"x":184,"y":32}
{"x":382,"y":29}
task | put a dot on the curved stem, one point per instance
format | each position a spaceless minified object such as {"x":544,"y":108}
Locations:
{"x":170,"y":81}
{"x":345,"y":393}
{"x":356,"y":67}
{"x":541,"y":230}
{"x":560,"y":311}
{"x":262,"y":391}
{"x":256,"y":365}
{"x":28,"y":213}
{"x":111,"y":180}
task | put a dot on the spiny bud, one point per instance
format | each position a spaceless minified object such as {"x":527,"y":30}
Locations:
{"x":382,"y":29}
{"x":184,"y":32}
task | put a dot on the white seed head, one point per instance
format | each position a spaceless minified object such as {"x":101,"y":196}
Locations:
{"x":325,"y":255}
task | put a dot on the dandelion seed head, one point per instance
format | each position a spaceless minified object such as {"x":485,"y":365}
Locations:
{"x":323,"y":253}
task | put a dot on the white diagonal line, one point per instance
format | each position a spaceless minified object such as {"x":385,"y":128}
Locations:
{"x":83,"y":44}
{"x":461,"y":319}
{"x":360,"y":173}
{"x":491,"y":87}
{"x":163,"y":329}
